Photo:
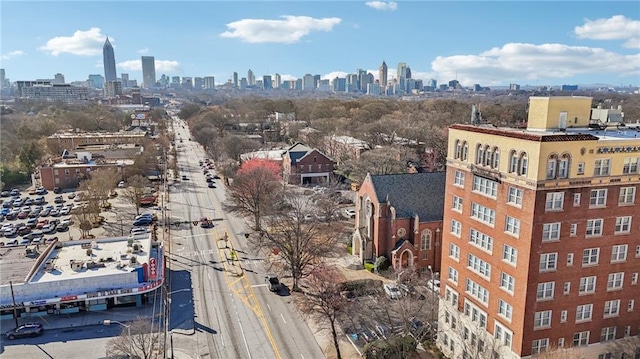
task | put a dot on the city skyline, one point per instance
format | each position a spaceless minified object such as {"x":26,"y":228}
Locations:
{"x":443,"y":41}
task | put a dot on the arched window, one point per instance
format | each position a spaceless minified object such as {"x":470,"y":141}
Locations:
{"x":487,"y":155}
{"x":524,"y":164}
{"x":465,"y":150}
{"x":425,"y":240}
{"x":457,"y":154}
{"x":563,"y":165}
{"x":479,"y":154}
{"x":552,"y":166}
{"x":496,"y":158}
{"x":513,"y":162}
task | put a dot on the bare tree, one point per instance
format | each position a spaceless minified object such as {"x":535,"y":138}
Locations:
{"x":323,"y":301}
{"x":627,"y":347}
{"x":136,"y":190}
{"x":299,"y":244}
{"x":555,"y":352}
{"x":102,"y":182}
{"x":136,"y":341}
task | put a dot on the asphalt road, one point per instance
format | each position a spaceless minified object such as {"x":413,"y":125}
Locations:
{"x":234,"y":317}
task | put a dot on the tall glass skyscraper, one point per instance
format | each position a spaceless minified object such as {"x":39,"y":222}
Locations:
{"x":149,"y":71}
{"x":109,"y":61}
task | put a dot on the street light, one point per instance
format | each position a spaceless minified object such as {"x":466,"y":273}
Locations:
{"x":109,"y":322}
{"x":433,"y":302}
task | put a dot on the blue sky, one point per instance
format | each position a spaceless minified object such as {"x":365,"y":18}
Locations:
{"x":491,"y":43}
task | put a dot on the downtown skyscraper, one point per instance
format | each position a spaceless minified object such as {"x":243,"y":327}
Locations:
{"x":109,"y":61}
{"x":148,"y":71}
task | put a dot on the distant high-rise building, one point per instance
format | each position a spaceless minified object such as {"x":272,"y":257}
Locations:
{"x":109,"y":61}
{"x":316,"y":81}
{"x":433,"y":84}
{"x":308,"y":82}
{"x":569,"y":87}
{"x":175,"y":82}
{"x":365,"y":79}
{"x":164,"y":81}
{"x":324,"y":85}
{"x":113,"y":89}
{"x":187,"y":83}
{"x":514,"y":87}
{"x":3,"y":78}
{"x":125,"y":80}
{"x":278,"y":81}
{"x":339,"y":84}
{"x":259,"y":84}
{"x":198,"y":83}
{"x":148,"y":71}
{"x":373,"y":89}
{"x":402,"y":70}
{"x":243,"y":83}
{"x":382,"y":76}
{"x":235,"y":79}
{"x":299,"y":84}
{"x":407,"y":72}
{"x":96,"y":81}
{"x":209,"y":83}
{"x":266,"y":82}
{"x":251,"y":78}
{"x":454,"y":84}
{"x":58,"y":78}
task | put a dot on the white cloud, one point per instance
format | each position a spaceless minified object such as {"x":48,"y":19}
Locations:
{"x":333,"y":75}
{"x":161,"y":65}
{"x":12,"y":54}
{"x":143,"y":51}
{"x":614,"y":28}
{"x":288,"y":78}
{"x":517,"y":61}
{"x":382,"y":5}
{"x":288,"y":30}
{"x":84,"y":43}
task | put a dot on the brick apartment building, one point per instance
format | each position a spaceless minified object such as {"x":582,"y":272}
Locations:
{"x":541,"y":246}
{"x":302,"y":165}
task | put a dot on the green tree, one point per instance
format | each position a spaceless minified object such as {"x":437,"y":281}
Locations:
{"x":30,"y":156}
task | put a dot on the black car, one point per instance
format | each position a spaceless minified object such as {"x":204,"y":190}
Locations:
{"x":57,"y":190}
{"x":58,"y":199}
{"x":212,"y":185}
{"x":25,"y":330}
{"x":5,"y":194}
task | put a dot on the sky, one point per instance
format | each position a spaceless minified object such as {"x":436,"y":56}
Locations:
{"x":489,"y":43}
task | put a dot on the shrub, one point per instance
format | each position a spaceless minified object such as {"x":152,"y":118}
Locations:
{"x":350,"y":250}
{"x":368,"y":266}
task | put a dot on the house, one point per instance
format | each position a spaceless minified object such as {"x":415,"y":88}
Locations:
{"x":399,"y":216}
{"x":303,"y":165}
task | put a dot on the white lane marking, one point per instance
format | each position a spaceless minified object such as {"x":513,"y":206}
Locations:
{"x":208,"y":275}
{"x":282,"y":316}
{"x":258,"y":285}
{"x":268,"y":307}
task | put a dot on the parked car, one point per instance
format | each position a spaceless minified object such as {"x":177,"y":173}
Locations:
{"x":24,"y":242}
{"x":392,"y":291}
{"x":55,"y":212}
{"x":12,"y":242}
{"x":216,"y":177}
{"x":211,"y":185}
{"x":45,"y":212}
{"x":184,"y":178}
{"x":145,"y":221}
{"x":57,"y":190}
{"x":23,"y":215}
{"x":351,"y":213}
{"x":121,"y":184}
{"x":39,"y":200}
{"x":138,"y":231}
{"x":32,"y":222}
{"x":50,"y":240}
{"x":206,"y":223}
{"x":28,"y":202}
{"x":14,"y":192}
{"x":273,"y":283}
{"x":41,"y":190}
{"x":62,"y":227}
{"x":25,"y":330}
{"x":58,"y":199}
{"x":22,"y":230}
{"x":5,"y":194}
{"x":10,"y":232}
{"x":65,"y":210}
{"x":34,"y":214}
{"x":49,"y":228}
{"x":434,"y":285}
{"x":71,"y":195}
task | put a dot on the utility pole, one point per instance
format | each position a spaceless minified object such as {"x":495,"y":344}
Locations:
{"x":15,"y":310}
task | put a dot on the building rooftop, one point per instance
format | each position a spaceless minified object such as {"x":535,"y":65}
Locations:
{"x":274,"y":155}
{"x":15,"y":265}
{"x":98,"y":134}
{"x":630,"y":131}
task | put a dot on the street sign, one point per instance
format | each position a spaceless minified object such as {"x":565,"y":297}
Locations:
{"x":153,"y":268}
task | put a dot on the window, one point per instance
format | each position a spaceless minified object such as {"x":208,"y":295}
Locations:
{"x":602,"y":167}
{"x":457,"y":204}
{"x":509,"y":254}
{"x":483,"y":214}
{"x":548,"y":261}
{"x":458,"y":178}
{"x":638,"y":251}
{"x":563,"y":316}
{"x":478,"y":266}
{"x":551,"y":231}
{"x":542,"y":319}
{"x":485,"y":186}
{"x":584,"y":312}
{"x":630,"y":305}
{"x":623,"y":225}
{"x":545,"y":291}
{"x":594,"y":227}
{"x":503,"y":335}
{"x":552,"y":166}
{"x":456,"y":228}
{"x":507,"y":282}
{"x":465,"y":150}
{"x":627,"y":195}
{"x":513,"y":162}
{"x":569,"y":259}
{"x":630,"y":165}
{"x":567,"y":288}
{"x":576,"y":199}
{"x":563,"y":166}
{"x":607,"y":334}
{"x":634,"y":278}
{"x":560,"y":342}
{"x":505,"y":309}
{"x":611,"y":308}
{"x":452,"y":275}
{"x":451,"y":296}
{"x":580,"y":169}
{"x":481,"y":240}
{"x":587,"y":285}
{"x":581,"y":338}
{"x":457,"y":153}
{"x":619,"y":253}
{"x":512,"y":226}
{"x":554,"y":201}
{"x":590,"y":256}
{"x":615,"y":280}
{"x":598,"y":198}
{"x":627,"y":331}
{"x":573,"y":229}
{"x":496,"y":158}
{"x":479,"y":154}
{"x":539,"y":346}
{"x":488,"y":156}
{"x":476,"y":314}
{"x":524,"y":164}
{"x":515,"y":196}
{"x":477,"y":291}
{"x":454,"y":252}
{"x":425,"y":240}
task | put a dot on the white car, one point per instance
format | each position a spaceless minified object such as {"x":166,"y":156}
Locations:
{"x":392,"y":291}
{"x":351,"y":213}
{"x":65,"y":210}
{"x":135,"y":231}
{"x":434,"y":285}
{"x":121,"y":184}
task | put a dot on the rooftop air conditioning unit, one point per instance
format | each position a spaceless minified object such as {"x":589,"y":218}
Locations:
{"x":94,"y":244}
{"x":76,"y":265}
{"x":48,"y":265}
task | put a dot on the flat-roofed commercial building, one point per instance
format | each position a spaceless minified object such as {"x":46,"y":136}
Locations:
{"x":542,"y":246}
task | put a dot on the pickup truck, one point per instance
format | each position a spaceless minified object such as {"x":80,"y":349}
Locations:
{"x":272,"y":282}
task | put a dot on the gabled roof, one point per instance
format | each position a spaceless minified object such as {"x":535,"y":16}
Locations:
{"x":412,"y":193}
{"x":298,"y":151}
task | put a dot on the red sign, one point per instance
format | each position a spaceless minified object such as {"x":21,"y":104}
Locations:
{"x":69,"y":297}
{"x":153,"y":268}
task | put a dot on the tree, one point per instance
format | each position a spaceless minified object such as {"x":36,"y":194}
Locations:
{"x":379,"y":161}
{"x":323,"y":301}
{"x":102,"y":182}
{"x":136,"y":190}
{"x":625,"y":348}
{"x":135,"y":341}
{"x":254,"y":189}
{"x":299,"y":244}
{"x":30,"y":155}
{"x":188,"y":110}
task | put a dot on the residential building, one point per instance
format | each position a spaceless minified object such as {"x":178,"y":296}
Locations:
{"x":125,"y":80}
{"x":277,"y":82}
{"x":302,"y":165}
{"x":308,"y":83}
{"x":109,"y":62}
{"x":96,"y":81}
{"x":343,"y":148}
{"x":148,"y":71}
{"x":52,"y":92}
{"x":235,"y":79}
{"x":383,"y":75}
{"x":70,"y":172}
{"x":539,"y":247}
{"x":113,"y":88}
{"x":251,"y":78}
{"x":198,"y":83}
{"x":58,"y":79}
{"x":399,"y":216}
{"x":71,"y":140}
{"x":267,"y":84}
{"x":209,"y":83}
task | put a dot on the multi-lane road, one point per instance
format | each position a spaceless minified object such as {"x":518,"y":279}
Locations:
{"x":234,"y":316}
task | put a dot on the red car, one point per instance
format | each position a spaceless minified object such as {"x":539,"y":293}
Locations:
{"x":42,"y":223}
{"x":23,"y":215}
